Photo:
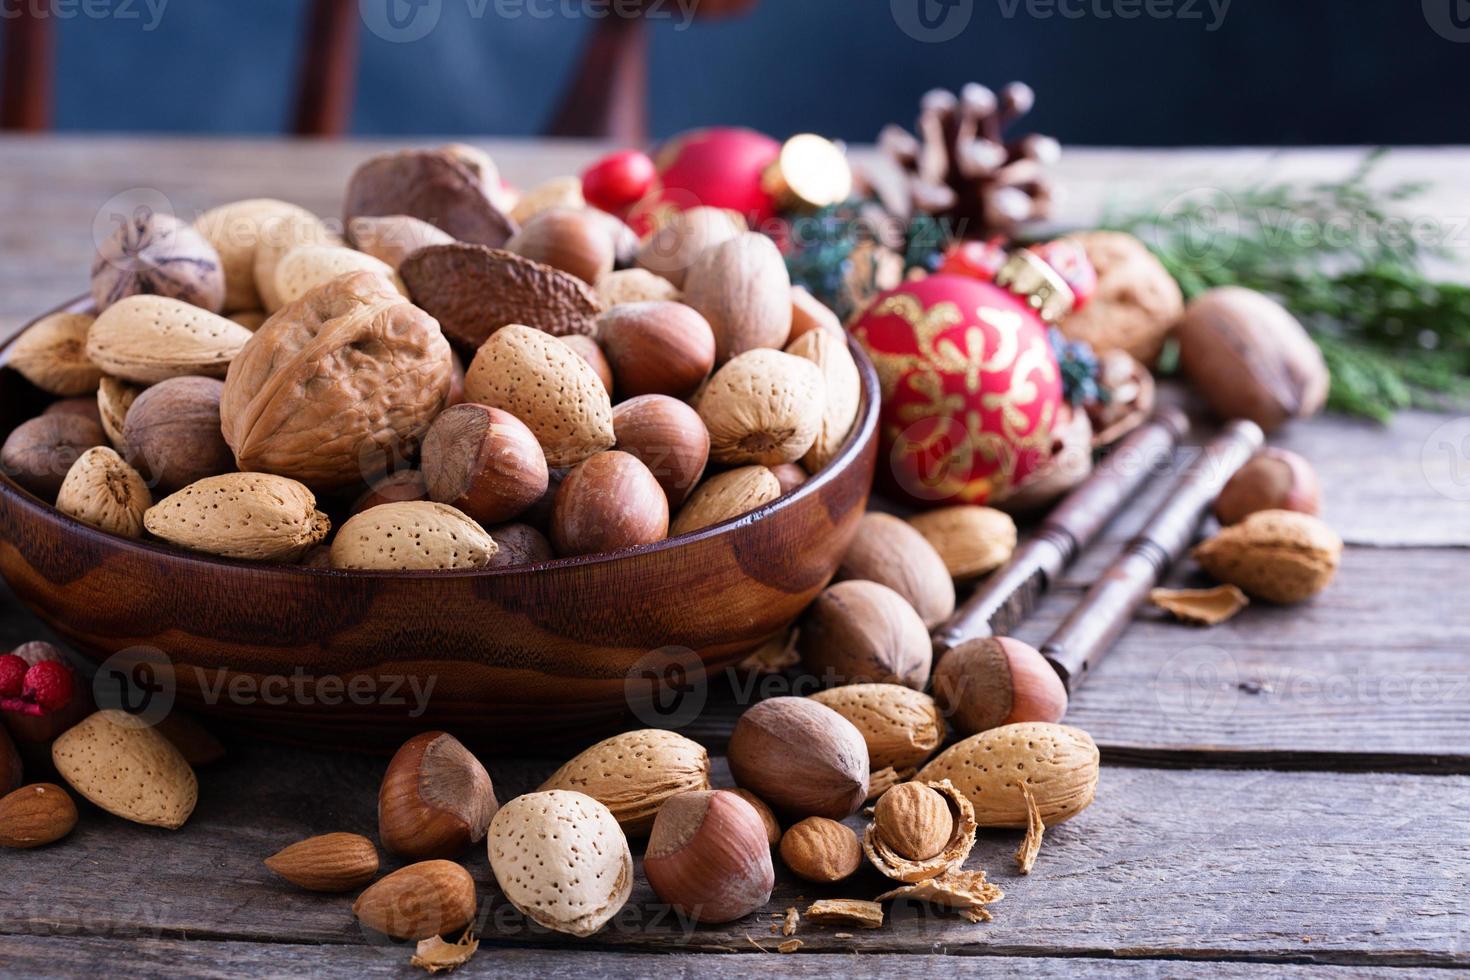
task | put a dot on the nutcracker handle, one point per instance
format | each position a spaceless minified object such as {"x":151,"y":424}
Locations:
{"x":1091,"y":629}
{"x":1011,"y":592}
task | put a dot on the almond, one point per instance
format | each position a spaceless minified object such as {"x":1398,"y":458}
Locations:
{"x":235,"y":231}
{"x":105,"y":492}
{"x":543,"y":382}
{"x":1058,"y":762}
{"x":561,"y":858}
{"x":891,"y":552}
{"x":900,"y":726}
{"x":306,"y":267}
{"x":744,"y":291}
{"x":422,"y":900}
{"x":473,"y":291}
{"x":684,"y":237}
{"x":52,"y":355}
{"x":280,"y":234}
{"x":36,"y":815}
{"x":634,"y":286}
{"x":1277,"y":555}
{"x":150,"y":338}
{"x":725,"y":496}
{"x":764,"y":406}
{"x":634,"y":773}
{"x":843,"y":388}
{"x":127,"y":769}
{"x":253,"y":516}
{"x":114,"y":400}
{"x":329,"y":863}
{"x":972,"y":540}
{"x":412,"y":534}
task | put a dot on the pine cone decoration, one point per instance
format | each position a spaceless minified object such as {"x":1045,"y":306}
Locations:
{"x":961,"y":169}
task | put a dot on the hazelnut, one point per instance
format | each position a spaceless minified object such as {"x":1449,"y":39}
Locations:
{"x":821,"y":850}
{"x":436,"y":799}
{"x":607,"y":502}
{"x":52,"y":355}
{"x":668,"y":437}
{"x":801,"y":757}
{"x":591,"y":352}
{"x":914,"y":820}
{"x":573,"y":241}
{"x":672,"y":249}
{"x":520,"y":544}
{"x":889,"y":551}
{"x":773,"y":828}
{"x":789,"y":476}
{"x":657,"y":348}
{"x":983,"y":684}
{"x":172,"y":433}
{"x":391,"y":489}
{"x":483,"y":461}
{"x":1274,"y":479}
{"x":40,"y":451}
{"x":158,"y":255}
{"x":859,"y":631}
{"x":708,"y":856}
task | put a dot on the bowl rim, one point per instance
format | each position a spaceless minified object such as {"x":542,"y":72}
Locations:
{"x":863,"y":430}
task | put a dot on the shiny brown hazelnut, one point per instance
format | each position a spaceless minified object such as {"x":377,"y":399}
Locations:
{"x":436,"y":799}
{"x":483,"y":461}
{"x":1274,"y":479}
{"x":668,"y":437}
{"x":983,"y":684}
{"x":607,"y":502}
{"x":657,"y":348}
{"x":574,"y":241}
{"x":708,"y":856}
{"x":789,"y":475}
{"x":391,"y":489}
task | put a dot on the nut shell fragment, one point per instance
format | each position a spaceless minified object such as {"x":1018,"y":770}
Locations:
{"x":1203,"y":607}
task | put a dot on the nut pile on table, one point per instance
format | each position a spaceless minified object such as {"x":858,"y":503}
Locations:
{"x":246,"y":374}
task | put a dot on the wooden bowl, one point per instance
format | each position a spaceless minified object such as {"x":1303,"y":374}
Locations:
{"x":560,"y":651}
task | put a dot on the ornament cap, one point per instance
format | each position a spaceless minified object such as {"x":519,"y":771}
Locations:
{"x":810,"y":172}
{"x":1029,"y":276}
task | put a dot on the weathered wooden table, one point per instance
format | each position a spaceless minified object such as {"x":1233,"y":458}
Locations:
{"x":1287,"y":793}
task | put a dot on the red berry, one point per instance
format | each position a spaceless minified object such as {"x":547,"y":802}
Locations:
{"x":618,"y":180}
{"x":978,"y":260}
{"x":12,"y":675}
{"x":49,"y":685}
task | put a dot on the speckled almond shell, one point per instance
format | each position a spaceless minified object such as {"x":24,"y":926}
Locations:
{"x":102,"y":490}
{"x":1277,"y":555}
{"x":253,"y":516}
{"x":971,"y":539}
{"x":726,"y":495}
{"x":1058,"y":762}
{"x":902,"y":727}
{"x":952,"y":858}
{"x":52,"y":354}
{"x":561,"y":858}
{"x":127,"y":769}
{"x":114,"y":400}
{"x":306,"y":267}
{"x":234,"y":230}
{"x":632,"y":774}
{"x":146,"y":339}
{"x":336,"y":386}
{"x":843,"y":388}
{"x":546,"y":385}
{"x":764,"y":406}
{"x":279,"y":235}
{"x":474,"y":291}
{"x":412,"y":534}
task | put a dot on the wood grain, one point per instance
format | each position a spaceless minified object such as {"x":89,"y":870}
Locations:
{"x":1277,"y":867}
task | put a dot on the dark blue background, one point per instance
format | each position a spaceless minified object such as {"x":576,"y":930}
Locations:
{"x":1276,"y":71}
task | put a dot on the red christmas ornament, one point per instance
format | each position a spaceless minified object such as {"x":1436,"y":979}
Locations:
{"x":619,"y":180}
{"x":971,"y":388}
{"x":721,"y":167}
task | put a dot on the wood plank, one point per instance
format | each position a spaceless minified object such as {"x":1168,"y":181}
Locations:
{"x":214,"y":960}
{"x":1268,"y":866}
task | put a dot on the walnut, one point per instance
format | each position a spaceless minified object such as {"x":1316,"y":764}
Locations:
{"x":1136,"y":301}
{"x":337,"y":385}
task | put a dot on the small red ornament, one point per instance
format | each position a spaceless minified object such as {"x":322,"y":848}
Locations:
{"x":49,"y":685}
{"x":722,"y":167}
{"x":978,"y":260}
{"x":12,"y":675}
{"x":971,"y":388}
{"x":619,"y":180}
